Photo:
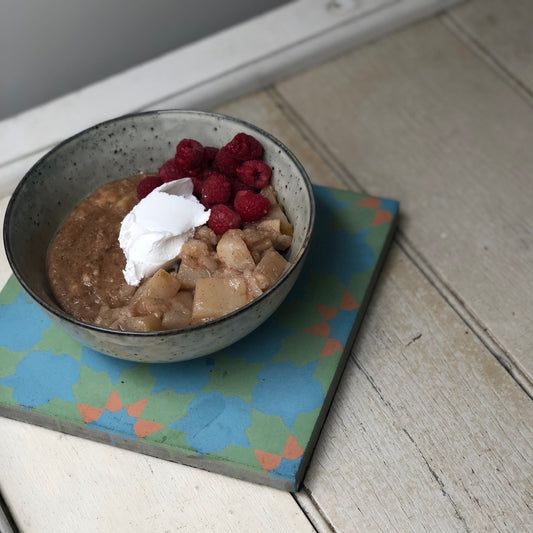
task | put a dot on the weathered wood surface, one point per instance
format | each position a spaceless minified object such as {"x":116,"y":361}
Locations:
{"x":501,"y":31}
{"x":59,"y":483}
{"x":420,"y":117}
{"x":429,"y":431}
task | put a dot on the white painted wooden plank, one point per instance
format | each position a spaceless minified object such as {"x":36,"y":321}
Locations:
{"x":427,"y":431}
{"x":5,"y":526}
{"x":209,"y":71}
{"x":420,"y":117}
{"x":57,"y":483}
{"x":503,"y":30}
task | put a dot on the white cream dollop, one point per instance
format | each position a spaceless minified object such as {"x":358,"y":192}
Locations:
{"x":153,"y":232}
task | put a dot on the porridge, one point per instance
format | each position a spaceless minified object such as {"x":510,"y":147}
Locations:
{"x":103,"y":272}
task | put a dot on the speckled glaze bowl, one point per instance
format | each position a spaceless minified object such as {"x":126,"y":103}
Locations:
{"x":119,"y":148}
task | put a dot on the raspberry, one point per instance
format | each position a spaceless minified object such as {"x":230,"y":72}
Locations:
{"x":210,"y":152}
{"x":170,"y":171}
{"x":189,"y":154}
{"x":255,"y":173}
{"x":244,"y":147}
{"x":226,"y":163}
{"x":251,"y":206}
{"x":207,"y":172}
{"x":147,"y":185}
{"x":216,"y":189}
{"x":223,"y":218}
{"x":238,"y":185}
{"x":197,"y":184}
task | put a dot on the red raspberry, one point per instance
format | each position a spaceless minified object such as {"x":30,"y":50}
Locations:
{"x":244,"y":147}
{"x":170,"y":171}
{"x":223,"y":218}
{"x":238,"y":185}
{"x":194,"y":172}
{"x":210,"y":152}
{"x":189,"y":154}
{"x":147,"y":185}
{"x":197,"y":184}
{"x":207,"y":172}
{"x":226,"y":163}
{"x":251,"y":206}
{"x":255,"y":173}
{"x":216,"y":189}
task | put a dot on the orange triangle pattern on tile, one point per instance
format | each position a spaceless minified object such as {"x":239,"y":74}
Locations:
{"x":270,"y":461}
{"x":322,"y":329}
{"x":326,"y":311}
{"x":89,"y":413}
{"x":145,"y":427}
{"x":371,"y":202}
{"x":267,"y":460}
{"x":292,"y":449}
{"x":135,"y":409}
{"x":332,"y":346}
{"x":114,"y":403}
{"x":381,"y":217}
{"x":348,"y":302}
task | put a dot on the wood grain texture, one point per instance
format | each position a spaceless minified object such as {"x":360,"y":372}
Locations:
{"x":427,"y":432}
{"x":420,"y":117}
{"x":59,"y":483}
{"x":503,"y":29}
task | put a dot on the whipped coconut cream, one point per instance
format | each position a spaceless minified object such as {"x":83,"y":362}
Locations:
{"x":153,"y":232}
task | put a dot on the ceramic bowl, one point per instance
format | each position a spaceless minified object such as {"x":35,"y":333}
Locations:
{"x":119,"y":148}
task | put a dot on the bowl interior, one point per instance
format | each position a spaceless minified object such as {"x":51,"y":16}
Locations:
{"x":120,"y":148}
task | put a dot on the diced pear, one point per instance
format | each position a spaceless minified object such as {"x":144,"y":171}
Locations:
{"x":188,"y":275}
{"x":140,"y":323}
{"x":210,"y":262}
{"x":215,"y":297}
{"x":258,"y":241}
{"x":269,"y":269}
{"x":270,"y":224}
{"x":270,"y":193}
{"x":254,"y":291}
{"x":207,"y":235}
{"x":107,"y":316}
{"x":179,"y":313}
{"x":160,"y":285}
{"x":276,"y":212}
{"x":147,"y":305}
{"x":233,"y":252}
{"x":193,"y":249}
{"x":281,"y":241}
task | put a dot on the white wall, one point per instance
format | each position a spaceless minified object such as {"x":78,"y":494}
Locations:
{"x":51,"y":47}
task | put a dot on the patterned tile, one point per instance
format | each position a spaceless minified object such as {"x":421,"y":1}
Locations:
{"x":250,"y":410}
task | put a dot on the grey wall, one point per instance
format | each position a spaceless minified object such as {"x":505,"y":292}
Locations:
{"x":51,"y":47}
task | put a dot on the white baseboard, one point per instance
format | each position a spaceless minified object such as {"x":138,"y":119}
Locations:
{"x":226,"y":65}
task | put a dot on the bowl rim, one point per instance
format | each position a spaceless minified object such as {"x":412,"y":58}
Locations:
{"x":62,"y":315}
